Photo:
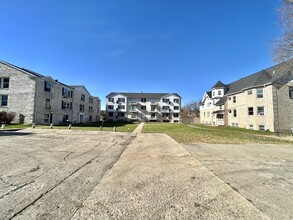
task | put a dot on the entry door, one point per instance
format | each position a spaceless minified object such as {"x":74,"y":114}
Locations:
{"x":51,"y":118}
{"x":80,"y":118}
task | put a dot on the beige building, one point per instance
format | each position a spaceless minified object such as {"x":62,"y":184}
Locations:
{"x":153,"y":107}
{"x":261,"y":101}
{"x":42,"y":100}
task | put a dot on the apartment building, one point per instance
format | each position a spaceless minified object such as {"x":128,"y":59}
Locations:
{"x":261,"y":101}
{"x":43,"y":100}
{"x":153,"y":107}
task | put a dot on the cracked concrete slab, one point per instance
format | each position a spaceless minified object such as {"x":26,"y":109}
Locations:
{"x":49,"y":173}
{"x":156,"y":178}
{"x":263,"y":174}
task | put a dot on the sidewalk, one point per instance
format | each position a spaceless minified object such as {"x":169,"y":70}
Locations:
{"x":156,"y":178}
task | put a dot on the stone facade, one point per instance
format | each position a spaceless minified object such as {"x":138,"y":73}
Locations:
{"x":42,"y":100}
{"x":154,"y":107}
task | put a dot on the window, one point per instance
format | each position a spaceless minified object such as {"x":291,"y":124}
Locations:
{"x":166,"y":114}
{"x":234,"y":99}
{"x":261,"y":110}
{"x":259,"y":93}
{"x":81,"y":108}
{"x":121,"y":106}
{"x":166,"y":100}
{"x":234,"y":112}
{"x":46,"y":118}
{"x":262,"y":127}
{"x":47,"y":103}
{"x":165,"y":107}
{"x":133,"y":101}
{"x":90,"y":118}
{"x":3,"y":100}
{"x":291,"y":92}
{"x":249,"y":92}
{"x":153,"y":115}
{"x":82,"y":98}
{"x":143,"y":107}
{"x":208,"y":114}
{"x":48,"y":86}
{"x":204,"y":114}
{"x":153,"y":108}
{"x":121,"y":114}
{"x":143,"y":99}
{"x":133,"y":108}
{"x":250,"y":127}
{"x":66,"y":105}
{"x":176,"y":107}
{"x":121,"y":100}
{"x":250,"y":110}
{"x":110,"y":99}
{"x":91,"y":109}
{"x":219,"y":92}
{"x":66,"y":93}
{"x":91,"y":100}
{"x":110,"y":114}
{"x":176,"y":100}
{"x":214,"y":93}
{"x":4,"y":83}
{"x":110,"y":106}
{"x":176,"y":115}
{"x":220,"y":107}
{"x":133,"y":115}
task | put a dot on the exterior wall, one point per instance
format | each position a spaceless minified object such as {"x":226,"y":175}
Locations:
{"x":29,"y":100}
{"x":243,"y":102}
{"x":285,"y":109}
{"x":21,"y":94}
{"x":134,"y":109}
{"x":119,"y":108}
{"x":90,"y":111}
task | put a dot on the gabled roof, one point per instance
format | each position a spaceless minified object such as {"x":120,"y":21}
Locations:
{"x":79,"y":86}
{"x":218,"y":85}
{"x":209,"y":93}
{"x":277,"y":75}
{"x":221,"y":101}
{"x":142,"y":95}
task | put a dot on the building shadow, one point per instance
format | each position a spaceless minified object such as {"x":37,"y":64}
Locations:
{"x":14,"y":133}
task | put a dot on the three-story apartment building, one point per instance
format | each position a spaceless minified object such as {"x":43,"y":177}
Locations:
{"x":41,"y":99}
{"x":154,"y":107}
{"x":261,"y":101}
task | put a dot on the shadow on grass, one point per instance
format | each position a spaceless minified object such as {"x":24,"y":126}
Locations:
{"x":105,"y":124}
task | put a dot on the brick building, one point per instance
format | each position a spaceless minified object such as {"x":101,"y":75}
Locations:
{"x":41,"y":99}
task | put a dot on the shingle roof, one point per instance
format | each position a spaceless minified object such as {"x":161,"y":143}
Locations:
{"x":278,"y":75}
{"x":218,"y":85}
{"x":143,"y":95}
{"x":222,"y":101}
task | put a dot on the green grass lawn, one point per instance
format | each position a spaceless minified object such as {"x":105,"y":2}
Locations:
{"x":197,"y":133}
{"x":107,"y":126}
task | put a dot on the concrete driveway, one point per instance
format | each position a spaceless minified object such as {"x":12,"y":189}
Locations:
{"x":67,"y":174}
{"x":263,"y":174}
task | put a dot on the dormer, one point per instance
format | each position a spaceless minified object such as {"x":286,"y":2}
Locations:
{"x":218,"y":90}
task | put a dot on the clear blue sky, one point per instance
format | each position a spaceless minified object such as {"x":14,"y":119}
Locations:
{"x":182,"y":46}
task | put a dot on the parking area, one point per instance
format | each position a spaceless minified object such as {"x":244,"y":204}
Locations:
{"x":47,"y":174}
{"x":263,"y":174}
{"x":70,"y":174}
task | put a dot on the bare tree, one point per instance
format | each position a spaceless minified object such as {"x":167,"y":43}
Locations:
{"x":190,"y":109}
{"x":283,"y":48}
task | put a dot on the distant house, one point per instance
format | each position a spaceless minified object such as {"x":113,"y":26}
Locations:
{"x":261,"y":101}
{"x":154,"y":107}
{"x":41,"y":99}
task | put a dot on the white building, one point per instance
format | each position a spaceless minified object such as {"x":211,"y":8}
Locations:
{"x":154,"y":107}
